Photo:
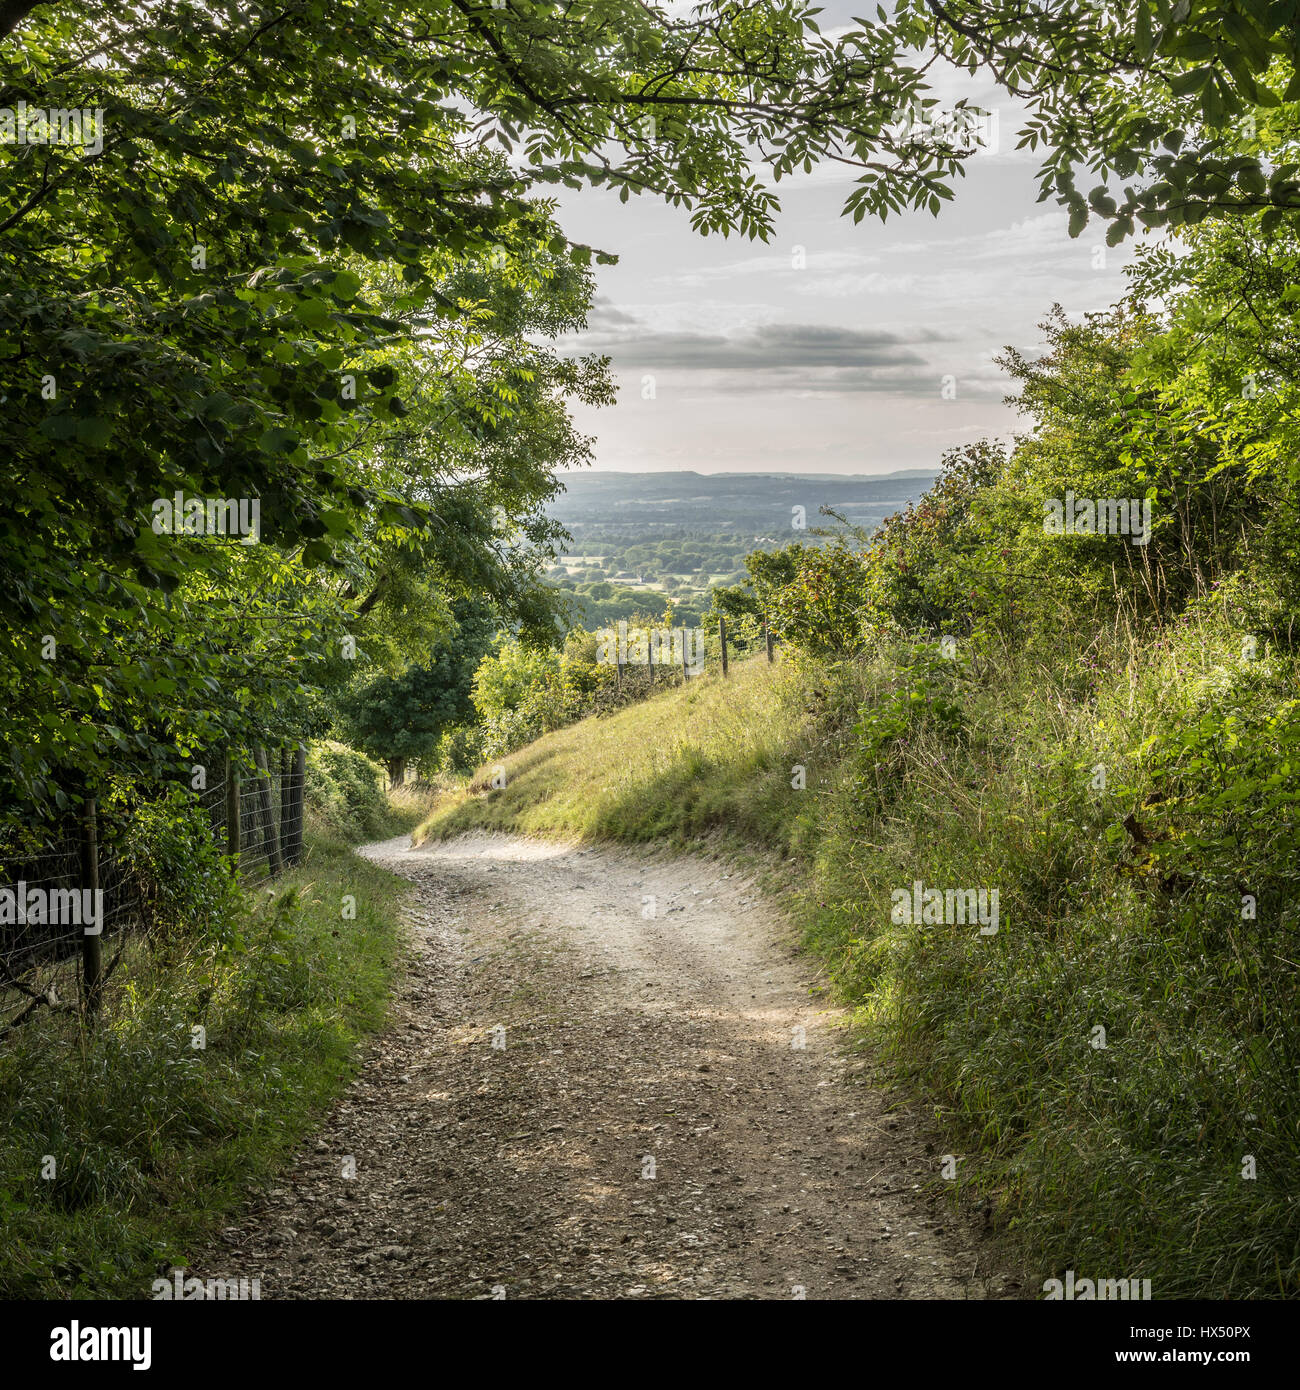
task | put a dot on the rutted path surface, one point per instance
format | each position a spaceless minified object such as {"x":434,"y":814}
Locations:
{"x":523,"y":1171}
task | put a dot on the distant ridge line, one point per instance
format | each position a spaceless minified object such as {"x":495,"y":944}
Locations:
{"x":594,"y":473}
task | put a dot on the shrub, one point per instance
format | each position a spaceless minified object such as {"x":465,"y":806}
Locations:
{"x":344,"y":792}
{"x":172,"y":865}
{"x":459,"y":751}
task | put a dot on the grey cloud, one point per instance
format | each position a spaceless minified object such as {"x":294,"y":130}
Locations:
{"x":915,"y":378}
{"x":768,"y":347}
{"x":605,"y":316}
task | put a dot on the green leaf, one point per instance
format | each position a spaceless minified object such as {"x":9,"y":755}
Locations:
{"x":347,"y":284}
{"x":278,"y":440}
{"x":313,"y":312}
{"x":60,"y":426}
{"x":1142,"y":40}
{"x":94,"y":431}
{"x":1193,"y":80}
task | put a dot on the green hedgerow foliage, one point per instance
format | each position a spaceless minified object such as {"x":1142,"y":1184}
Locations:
{"x":173,"y":866}
{"x":459,"y":751}
{"x":522,"y":692}
{"x":344,"y":792}
{"x":1114,"y":743}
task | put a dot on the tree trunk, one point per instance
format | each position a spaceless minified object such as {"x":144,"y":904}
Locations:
{"x":396,"y":771}
{"x":13,"y":12}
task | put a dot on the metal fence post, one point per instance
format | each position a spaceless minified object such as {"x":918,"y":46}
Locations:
{"x":266,"y":815}
{"x":286,"y":807}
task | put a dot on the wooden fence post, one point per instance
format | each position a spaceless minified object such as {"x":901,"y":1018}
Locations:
{"x":299,"y":795}
{"x":767,"y":637}
{"x":267,"y":816}
{"x":722,"y":639}
{"x":92,"y":949}
{"x":286,"y":808}
{"x":232,"y":812}
{"x":685,"y":674}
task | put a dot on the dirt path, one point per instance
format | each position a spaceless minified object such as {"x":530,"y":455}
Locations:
{"x":654,"y":1126}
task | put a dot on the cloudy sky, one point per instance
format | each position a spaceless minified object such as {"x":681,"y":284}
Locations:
{"x":833,"y":361}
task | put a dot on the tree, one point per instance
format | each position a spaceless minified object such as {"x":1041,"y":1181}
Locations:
{"x":1193,"y":105}
{"x":222,"y":260}
{"x":399,"y":718}
{"x":221,"y":286}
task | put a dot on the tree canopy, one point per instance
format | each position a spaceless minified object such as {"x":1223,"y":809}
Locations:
{"x":297,"y":253}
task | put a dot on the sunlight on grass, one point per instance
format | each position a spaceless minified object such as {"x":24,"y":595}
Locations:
{"x":667,"y":768}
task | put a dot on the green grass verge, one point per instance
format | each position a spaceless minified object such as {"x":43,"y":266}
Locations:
{"x":124,"y":1145}
{"x":709,"y":757}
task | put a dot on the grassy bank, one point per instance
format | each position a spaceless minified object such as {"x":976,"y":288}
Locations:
{"x":705,"y":757}
{"x":123,"y":1146}
{"x":1116,"y":1065}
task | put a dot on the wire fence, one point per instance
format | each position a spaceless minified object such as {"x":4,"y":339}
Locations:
{"x":643,"y":658}
{"x":70,"y":900}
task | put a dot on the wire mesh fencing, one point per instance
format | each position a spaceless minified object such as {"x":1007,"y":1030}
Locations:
{"x":71,"y":898}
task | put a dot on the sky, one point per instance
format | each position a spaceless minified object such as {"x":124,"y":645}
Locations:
{"x":833,"y":361}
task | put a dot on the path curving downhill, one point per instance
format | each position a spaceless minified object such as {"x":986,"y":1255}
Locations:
{"x":667,"y":1111}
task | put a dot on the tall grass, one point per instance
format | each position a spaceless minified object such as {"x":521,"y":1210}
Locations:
{"x":123,"y":1145}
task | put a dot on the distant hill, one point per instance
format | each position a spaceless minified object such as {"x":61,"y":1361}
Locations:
{"x":744,"y":504}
